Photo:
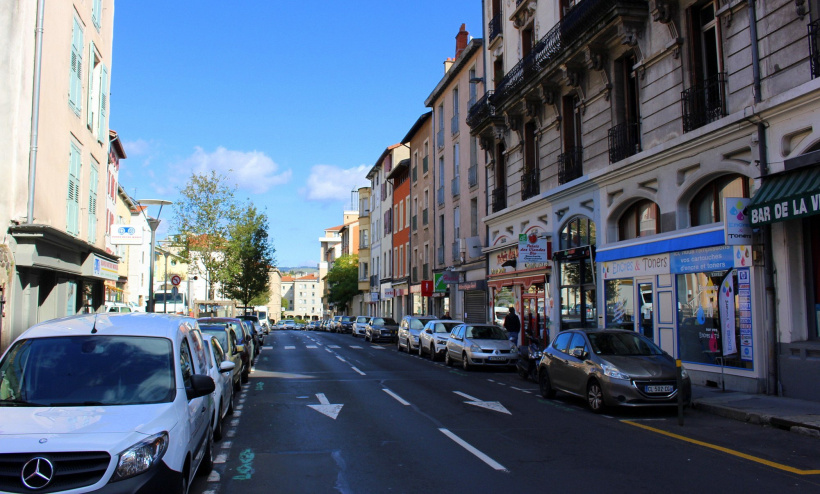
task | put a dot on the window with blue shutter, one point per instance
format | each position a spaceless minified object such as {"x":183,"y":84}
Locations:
{"x":92,"y":201}
{"x":73,"y":202}
{"x":102,"y":127}
{"x":91,"y":105}
{"x":96,"y":14}
{"x":75,"y":88}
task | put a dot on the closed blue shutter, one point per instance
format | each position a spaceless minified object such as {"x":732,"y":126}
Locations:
{"x":96,"y":14}
{"x":92,"y":203}
{"x":102,"y":124}
{"x":75,"y":89}
{"x":91,"y":92}
{"x":73,"y":203}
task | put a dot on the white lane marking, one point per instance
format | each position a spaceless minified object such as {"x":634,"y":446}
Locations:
{"x":238,"y":407}
{"x":466,"y":396}
{"x":481,"y":456}
{"x":357,"y":370}
{"x":221,"y":458}
{"x":226,"y":444}
{"x":214,"y":476}
{"x":377,"y":347}
{"x":334,"y":346}
{"x":396,"y":397}
{"x":237,"y":413}
{"x":234,"y":422}
{"x":311,"y":347}
{"x":230,"y":433}
{"x":340,"y":358}
{"x":328,"y":350}
{"x":289,"y":347}
{"x":322,"y":399}
{"x":357,"y":347}
{"x":528,"y":391}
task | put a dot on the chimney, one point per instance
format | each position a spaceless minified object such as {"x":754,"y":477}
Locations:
{"x":461,"y":39}
{"x":447,"y":64}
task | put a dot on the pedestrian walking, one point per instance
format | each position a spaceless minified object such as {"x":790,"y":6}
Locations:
{"x":446,"y":315}
{"x":513,"y":325}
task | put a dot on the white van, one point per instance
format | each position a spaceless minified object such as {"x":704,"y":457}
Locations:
{"x":124,"y":398}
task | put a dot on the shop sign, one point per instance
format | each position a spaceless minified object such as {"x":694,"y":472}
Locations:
{"x":497,"y":259}
{"x":737,"y":225}
{"x":744,"y":292}
{"x":443,"y":279}
{"x":387,"y":293}
{"x":415,"y":288}
{"x":469,"y":286}
{"x":532,"y":248}
{"x":711,"y":259}
{"x":426,"y":288}
{"x":726,"y":299}
{"x":374,"y":296}
{"x":97,"y":267}
{"x":125,"y":235}
{"x":636,"y":266}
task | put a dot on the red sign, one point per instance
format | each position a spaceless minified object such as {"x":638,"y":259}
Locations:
{"x":176,"y":280}
{"x":427,"y":288}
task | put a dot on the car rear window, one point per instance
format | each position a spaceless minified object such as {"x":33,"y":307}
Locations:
{"x":88,"y":370}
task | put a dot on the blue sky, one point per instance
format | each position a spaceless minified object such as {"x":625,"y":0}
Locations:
{"x":298,"y":99}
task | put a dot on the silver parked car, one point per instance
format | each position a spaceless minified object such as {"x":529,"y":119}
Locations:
{"x":409,"y":329}
{"x":360,"y":326}
{"x":433,"y":338}
{"x":610,"y":367}
{"x":480,"y":344}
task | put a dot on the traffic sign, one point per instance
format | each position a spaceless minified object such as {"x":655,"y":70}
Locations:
{"x":176,"y":280}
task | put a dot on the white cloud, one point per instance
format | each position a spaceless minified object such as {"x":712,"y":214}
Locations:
{"x":252,"y":170}
{"x":328,"y":182}
{"x":140,"y":147}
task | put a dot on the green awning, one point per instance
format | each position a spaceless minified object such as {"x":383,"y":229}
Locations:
{"x":787,"y":196}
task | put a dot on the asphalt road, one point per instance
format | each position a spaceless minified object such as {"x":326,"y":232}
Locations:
{"x":327,"y":413}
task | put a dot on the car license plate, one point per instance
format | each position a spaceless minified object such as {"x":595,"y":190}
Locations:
{"x":667,"y":388}
{"x":497,"y":359}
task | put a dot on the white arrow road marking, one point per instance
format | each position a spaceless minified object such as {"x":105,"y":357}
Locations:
{"x":481,"y":456}
{"x":397,"y":397}
{"x":326,"y":408}
{"x":490,"y":405}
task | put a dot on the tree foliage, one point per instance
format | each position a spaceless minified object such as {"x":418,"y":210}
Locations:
{"x":248,"y":257}
{"x":204,"y":213}
{"x":343,"y":281}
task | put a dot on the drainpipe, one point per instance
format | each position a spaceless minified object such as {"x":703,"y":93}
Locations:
{"x":35,"y":111}
{"x":772,"y":362}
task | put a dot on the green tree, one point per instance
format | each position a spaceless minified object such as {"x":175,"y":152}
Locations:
{"x":248,"y":257}
{"x":343,"y":281}
{"x":204,"y":213}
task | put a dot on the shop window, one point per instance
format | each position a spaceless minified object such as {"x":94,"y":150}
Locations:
{"x":620,"y":306}
{"x":812,"y":226}
{"x":640,"y":220}
{"x":503,"y":299}
{"x":705,"y":207}
{"x":578,"y":292}
{"x":703,"y":303}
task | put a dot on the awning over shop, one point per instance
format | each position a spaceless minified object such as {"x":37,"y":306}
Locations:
{"x":787,"y":196}
{"x":526,"y":281}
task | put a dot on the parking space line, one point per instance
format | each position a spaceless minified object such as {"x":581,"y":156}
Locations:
{"x":728,"y":451}
{"x":478,"y":454}
{"x":357,"y":370}
{"x":396,"y":397}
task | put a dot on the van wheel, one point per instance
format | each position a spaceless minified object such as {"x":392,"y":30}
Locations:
{"x":208,"y":459}
{"x":218,"y":426}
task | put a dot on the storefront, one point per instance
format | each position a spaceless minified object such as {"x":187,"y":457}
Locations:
{"x":787,"y":210}
{"x":695,"y":297}
{"x":386,"y":296}
{"x":575,"y":262}
{"x":475,"y":301}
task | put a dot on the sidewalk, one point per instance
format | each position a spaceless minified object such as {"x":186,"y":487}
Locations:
{"x":800,"y":416}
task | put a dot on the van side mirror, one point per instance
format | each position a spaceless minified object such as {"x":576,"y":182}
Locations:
{"x":226,"y":366}
{"x":200,"y":386}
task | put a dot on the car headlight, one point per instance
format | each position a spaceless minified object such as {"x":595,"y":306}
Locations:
{"x":613,"y":372}
{"x":683,"y":373}
{"x":475,"y":348}
{"x":514,"y":349}
{"x":141,"y":456}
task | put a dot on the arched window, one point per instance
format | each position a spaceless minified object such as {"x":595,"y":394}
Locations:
{"x":579,"y":232}
{"x":640,"y":220}
{"x":705,"y":207}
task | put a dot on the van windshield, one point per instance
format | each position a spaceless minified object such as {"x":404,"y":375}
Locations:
{"x":88,"y":371}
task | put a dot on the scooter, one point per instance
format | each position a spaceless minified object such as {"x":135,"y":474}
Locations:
{"x":528,"y":357}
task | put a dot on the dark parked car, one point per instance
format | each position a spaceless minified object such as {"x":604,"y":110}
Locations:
{"x":245,"y":340}
{"x":611,"y":367}
{"x":346,"y":324}
{"x":381,"y":328}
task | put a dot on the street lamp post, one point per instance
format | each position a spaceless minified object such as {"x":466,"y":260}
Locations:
{"x":153,"y":223}
{"x":165,"y":286}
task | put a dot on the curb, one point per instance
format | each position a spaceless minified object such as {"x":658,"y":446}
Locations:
{"x":733,"y":413}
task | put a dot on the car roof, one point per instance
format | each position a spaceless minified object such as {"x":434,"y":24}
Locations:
{"x":111,"y":323}
{"x":453,"y":321}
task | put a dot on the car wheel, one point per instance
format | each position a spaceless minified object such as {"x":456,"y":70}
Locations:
{"x":218,"y":426}
{"x":433,"y":355}
{"x":595,"y":397}
{"x":246,"y":376}
{"x":465,"y":364}
{"x":447,"y":360}
{"x":398,"y":344}
{"x":545,"y":385}
{"x":183,"y":485}
{"x":230,"y":404}
{"x":421,"y":350}
{"x":208,"y":459}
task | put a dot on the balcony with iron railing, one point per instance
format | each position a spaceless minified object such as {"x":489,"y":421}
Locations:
{"x":499,"y":199}
{"x":814,"y":48}
{"x":440,"y":195}
{"x":570,"y":165}
{"x":472,"y":175}
{"x":481,"y":110}
{"x":424,"y":217}
{"x":440,"y":254}
{"x":495,"y":26}
{"x":425,"y":162}
{"x":624,"y":141}
{"x":455,"y":188}
{"x":704,"y":103}
{"x":454,"y":124}
{"x":530,"y":184}
{"x":440,"y":138}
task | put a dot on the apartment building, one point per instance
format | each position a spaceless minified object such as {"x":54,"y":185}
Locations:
{"x":54,"y":132}
{"x":399,"y":180}
{"x":632,"y":135}
{"x":364,"y":302}
{"x":460,"y":187}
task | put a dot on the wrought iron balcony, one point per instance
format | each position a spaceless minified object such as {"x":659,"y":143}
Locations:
{"x":499,"y":199}
{"x":495,"y":26}
{"x":624,"y":141}
{"x":425,"y":163}
{"x":570,"y":165}
{"x":440,"y":138}
{"x":814,"y":48}
{"x":440,"y":195}
{"x":530,"y":184}
{"x":704,"y":103}
{"x":440,"y":254}
{"x":481,"y":110}
{"x":424,"y":217}
{"x":454,"y":124}
{"x":472,"y":175}
{"x":455,"y":187}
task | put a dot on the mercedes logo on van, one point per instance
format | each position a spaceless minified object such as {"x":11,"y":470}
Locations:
{"x":37,"y":473}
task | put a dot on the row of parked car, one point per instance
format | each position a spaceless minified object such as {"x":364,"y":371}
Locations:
{"x":605,"y":367}
{"x":121,"y":402}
